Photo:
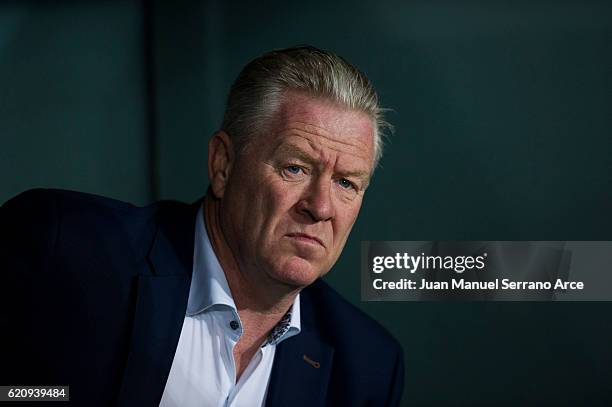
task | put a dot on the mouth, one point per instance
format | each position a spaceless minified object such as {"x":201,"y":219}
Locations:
{"x":303,"y":237}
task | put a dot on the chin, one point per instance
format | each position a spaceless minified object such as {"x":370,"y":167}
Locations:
{"x":297,"y":272}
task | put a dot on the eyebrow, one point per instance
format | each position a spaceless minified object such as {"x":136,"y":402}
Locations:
{"x":295,"y":151}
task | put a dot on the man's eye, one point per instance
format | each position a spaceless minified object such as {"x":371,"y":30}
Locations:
{"x":346,"y":184}
{"x":293,"y":169}
{"x":294,"y":172}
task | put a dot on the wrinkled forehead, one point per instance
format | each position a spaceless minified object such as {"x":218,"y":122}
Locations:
{"x":325,"y":123}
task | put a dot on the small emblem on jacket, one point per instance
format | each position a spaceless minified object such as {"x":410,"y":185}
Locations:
{"x":311,"y":362}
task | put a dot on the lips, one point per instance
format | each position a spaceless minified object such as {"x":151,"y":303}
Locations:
{"x":306,"y":237}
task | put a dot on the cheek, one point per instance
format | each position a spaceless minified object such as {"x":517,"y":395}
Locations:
{"x":282,"y":199}
{"x":269,"y":213}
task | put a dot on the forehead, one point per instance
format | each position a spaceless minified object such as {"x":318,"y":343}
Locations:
{"x":323,"y":125}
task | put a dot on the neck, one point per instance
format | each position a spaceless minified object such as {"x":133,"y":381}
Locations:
{"x":256,"y":296}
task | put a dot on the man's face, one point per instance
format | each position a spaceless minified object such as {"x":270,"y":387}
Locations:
{"x":292,"y":198}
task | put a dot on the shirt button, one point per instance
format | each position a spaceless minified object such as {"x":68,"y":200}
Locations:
{"x":234,"y":325}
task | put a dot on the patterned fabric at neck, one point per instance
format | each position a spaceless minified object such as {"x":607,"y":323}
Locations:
{"x":279,"y":329}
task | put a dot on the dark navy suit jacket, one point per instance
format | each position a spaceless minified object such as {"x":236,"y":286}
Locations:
{"x":94,"y":293}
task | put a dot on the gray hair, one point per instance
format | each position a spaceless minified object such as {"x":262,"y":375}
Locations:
{"x":257,"y":94}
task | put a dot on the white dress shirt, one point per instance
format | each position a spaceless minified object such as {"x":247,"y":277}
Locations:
{"x":203,"y":371}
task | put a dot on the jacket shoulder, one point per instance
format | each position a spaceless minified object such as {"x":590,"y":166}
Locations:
{"x":62,"y":227}
{"x":39,"y":199}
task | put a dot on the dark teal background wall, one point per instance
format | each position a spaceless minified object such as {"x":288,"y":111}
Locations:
{"x":503,"y":132}
{"x":72,"y":98}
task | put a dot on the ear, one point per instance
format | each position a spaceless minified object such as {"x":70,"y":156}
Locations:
{"x":220,"y":162}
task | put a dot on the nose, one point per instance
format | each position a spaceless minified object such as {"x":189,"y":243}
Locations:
{"x":317,"y":203}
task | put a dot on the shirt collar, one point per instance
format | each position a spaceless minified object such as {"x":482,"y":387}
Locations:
{"x":209,"y":286}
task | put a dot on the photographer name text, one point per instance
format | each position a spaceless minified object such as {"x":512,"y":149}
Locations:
{"x":462,"y":284}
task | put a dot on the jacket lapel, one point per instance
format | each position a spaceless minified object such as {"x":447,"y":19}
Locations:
{"x":160,"y":308}
{"x":302,"y":366}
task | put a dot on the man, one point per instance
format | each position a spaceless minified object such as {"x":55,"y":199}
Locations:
{"x":220,"y":302}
